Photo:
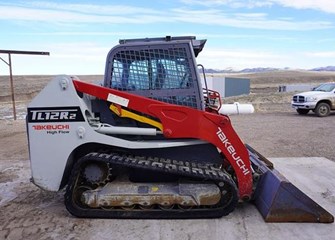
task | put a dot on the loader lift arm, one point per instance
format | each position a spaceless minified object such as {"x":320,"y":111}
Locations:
{"x":277,"y":199}
{"x":184,"y":122}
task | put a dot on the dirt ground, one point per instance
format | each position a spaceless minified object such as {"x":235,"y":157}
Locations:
{"x":26,"y":212}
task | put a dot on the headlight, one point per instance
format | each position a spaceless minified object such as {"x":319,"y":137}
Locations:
{"x":311,"y":99}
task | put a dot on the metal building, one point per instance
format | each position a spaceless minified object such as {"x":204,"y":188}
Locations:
{"x":229,"y":86}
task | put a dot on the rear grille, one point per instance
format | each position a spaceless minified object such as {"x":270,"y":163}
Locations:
{"x":298,"y":99}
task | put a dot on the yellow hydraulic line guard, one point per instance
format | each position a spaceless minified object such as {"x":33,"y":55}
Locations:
{"x":127,"y":114}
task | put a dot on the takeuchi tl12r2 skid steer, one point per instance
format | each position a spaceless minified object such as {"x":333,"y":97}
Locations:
{"x":149,"y":142}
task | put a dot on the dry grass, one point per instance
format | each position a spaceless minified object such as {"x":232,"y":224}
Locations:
{"x":28,"y":86}
{"x":264,"y":87}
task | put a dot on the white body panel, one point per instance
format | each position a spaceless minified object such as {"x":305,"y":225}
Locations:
{"x":51,"y":143}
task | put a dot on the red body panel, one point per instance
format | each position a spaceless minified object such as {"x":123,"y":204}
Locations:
{"x":185,"y":122}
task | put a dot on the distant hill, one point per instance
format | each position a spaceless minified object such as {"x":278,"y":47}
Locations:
{"x":246,"y":70}
{"x":262,"y":69}
{"x":321,"y":69}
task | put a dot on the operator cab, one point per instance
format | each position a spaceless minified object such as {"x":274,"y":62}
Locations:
{"x":163,"y":69}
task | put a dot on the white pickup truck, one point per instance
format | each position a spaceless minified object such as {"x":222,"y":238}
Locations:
{"x":321,"y":100}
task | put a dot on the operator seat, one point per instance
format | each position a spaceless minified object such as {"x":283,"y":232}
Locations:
{"x":161,"y":74}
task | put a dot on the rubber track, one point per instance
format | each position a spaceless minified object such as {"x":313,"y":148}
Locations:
{"x":195,"y":171}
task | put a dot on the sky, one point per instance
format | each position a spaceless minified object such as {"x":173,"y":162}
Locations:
{"x":298,"y":34}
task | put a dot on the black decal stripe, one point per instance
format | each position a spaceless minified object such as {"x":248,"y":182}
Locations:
{"x":55,"y":114}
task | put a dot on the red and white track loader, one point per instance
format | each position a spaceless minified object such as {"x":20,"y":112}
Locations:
{"x":149,"y":142}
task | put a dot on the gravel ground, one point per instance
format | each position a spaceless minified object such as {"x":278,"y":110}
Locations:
{"x":30,"y":213}
{"x":26,"y":212}
{"x":287,"y":134}
{"x":281,"y":134}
